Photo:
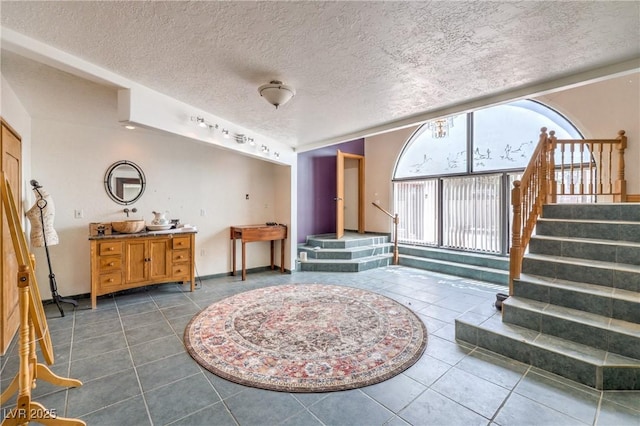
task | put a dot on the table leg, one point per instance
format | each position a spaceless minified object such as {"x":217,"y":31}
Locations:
{"x":244,"y":261}
{"x":282,"y":256}
{"x":272,"y":261}
{"x":233,"y":257}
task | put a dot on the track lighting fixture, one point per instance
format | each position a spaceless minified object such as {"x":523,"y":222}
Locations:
{"x":201,"y":122}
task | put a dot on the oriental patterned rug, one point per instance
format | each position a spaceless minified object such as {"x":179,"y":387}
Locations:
{"x":306,"y":338}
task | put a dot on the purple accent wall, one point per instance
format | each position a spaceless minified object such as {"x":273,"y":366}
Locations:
{"x":317,"y":188}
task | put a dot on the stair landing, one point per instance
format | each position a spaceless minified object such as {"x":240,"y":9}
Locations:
{"x":353,"y":252}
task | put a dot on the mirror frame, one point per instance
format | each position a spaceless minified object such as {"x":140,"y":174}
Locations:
{"x":110,"y":190}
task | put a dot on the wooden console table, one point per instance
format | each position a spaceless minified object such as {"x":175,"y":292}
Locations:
{"x":250,"y":233}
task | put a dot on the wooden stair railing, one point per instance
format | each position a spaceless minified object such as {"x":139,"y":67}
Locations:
{"x":587,"y":168}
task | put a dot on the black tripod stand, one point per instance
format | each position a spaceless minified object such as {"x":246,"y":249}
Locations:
{"x":55,"y":297}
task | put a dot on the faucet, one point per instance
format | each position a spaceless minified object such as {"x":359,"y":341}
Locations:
{"x":133,"y":210}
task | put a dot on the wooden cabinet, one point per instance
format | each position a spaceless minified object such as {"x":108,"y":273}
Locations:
{"x":120,"y":262}
{"x":11,"y":165}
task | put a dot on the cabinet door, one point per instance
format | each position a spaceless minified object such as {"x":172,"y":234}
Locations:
{"x":160,"y":255}
{"x":136,"y":261}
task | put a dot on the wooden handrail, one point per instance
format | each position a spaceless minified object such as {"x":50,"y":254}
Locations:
{"x":586,"y":168}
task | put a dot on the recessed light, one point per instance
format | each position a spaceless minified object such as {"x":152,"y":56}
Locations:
{"x":130,"y":127}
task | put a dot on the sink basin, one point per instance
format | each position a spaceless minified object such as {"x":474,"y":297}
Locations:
{"x":128,"y":226}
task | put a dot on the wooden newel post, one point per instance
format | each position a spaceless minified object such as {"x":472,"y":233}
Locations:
{"x":551,"y":187}
{"x":620,"y":195}
{"x":515,"y":252}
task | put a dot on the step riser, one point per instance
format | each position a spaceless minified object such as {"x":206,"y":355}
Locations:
{"x":596,"y":304}
{"x":350,"y":254}
{"x":458,"y":257}
{"x":344,"y":267}
{"x":587,"y":334}
{"x":459,"y":270}
{"x":606,"y":277}
{"x":624,"y":212}
{"x":602,"y":231}
{"x":346,"y":243}
{"x":586,"y":250}
{"x":599,"y":377}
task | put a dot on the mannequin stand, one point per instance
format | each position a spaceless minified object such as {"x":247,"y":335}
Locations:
{"x":53,"y":286}
{"x":55,"y":297}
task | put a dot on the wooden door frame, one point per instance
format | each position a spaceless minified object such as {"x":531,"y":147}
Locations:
{"x":340,"y":192}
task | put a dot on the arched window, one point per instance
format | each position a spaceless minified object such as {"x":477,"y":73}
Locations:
{"x":452,"y":178}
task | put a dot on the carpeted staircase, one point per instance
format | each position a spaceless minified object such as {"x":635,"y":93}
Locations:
{"x":575,"y":311}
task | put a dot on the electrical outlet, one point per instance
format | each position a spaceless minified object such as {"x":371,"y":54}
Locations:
{"x":78,"y":213}
{"x":202,"y":253}
{"x":246,"y":196}
{"x":203,"y":212}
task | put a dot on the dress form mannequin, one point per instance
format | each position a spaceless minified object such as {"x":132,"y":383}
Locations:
{"x":41,"y":217}
{"x":39,"y":232}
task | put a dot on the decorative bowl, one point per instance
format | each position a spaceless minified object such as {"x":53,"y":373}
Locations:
{"x":128,"y":226}
{"x":153,"y":227}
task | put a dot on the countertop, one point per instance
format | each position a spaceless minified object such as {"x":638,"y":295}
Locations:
{"x":115,"y":235}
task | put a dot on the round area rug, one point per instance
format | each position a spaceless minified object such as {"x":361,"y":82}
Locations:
{"x":306,"y":338}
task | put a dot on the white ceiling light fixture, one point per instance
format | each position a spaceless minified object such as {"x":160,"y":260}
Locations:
{"x":276,"y":93}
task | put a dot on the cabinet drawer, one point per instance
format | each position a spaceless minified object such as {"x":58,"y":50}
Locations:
{"x":181,"y":242}
{"x":181,"y":271}
{"x":110,"y":247}
{"x":110,"y":263}
{"x":110,"y":280}
{"x":180,"y":256}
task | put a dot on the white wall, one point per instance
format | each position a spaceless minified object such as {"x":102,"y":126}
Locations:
{"x":599,"y":110}
{"x":381,"y":153}
{"x":183,"y":177}
{"x":68,"y":147}
{"x":15,"y":114}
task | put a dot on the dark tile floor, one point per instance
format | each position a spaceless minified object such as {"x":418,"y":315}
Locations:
{"x":130,"y":357}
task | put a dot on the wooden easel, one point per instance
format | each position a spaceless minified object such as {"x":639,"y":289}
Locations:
{"x":33,"y":327}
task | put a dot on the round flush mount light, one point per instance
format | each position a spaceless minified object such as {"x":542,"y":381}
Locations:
{"x":276,"y":93}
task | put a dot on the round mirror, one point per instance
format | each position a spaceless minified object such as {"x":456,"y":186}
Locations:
{"x":124,"y":182}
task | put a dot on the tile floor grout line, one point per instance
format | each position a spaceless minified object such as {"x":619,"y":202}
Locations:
{"x":135,"y":369}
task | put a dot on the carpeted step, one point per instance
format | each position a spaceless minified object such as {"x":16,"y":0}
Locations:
{"x":458,"y":269}
{"x":347,"y":265}
{"x":597,"y":299}
{"x":584,"y":364}
{"x":616,"y":336}
{"x":606,"y":274}
{"x":586,"y":248}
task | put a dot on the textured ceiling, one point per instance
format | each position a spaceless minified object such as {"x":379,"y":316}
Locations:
{"x":355,"y":65}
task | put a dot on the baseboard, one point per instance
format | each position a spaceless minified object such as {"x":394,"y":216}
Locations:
{"x":633,"y":198}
